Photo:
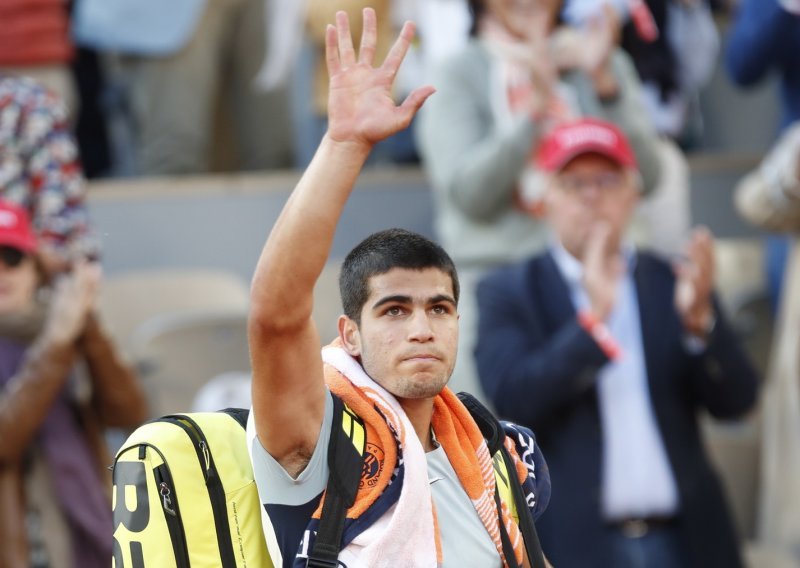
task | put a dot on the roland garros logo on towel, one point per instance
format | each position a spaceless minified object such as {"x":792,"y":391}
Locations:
{"x":373,"y":466}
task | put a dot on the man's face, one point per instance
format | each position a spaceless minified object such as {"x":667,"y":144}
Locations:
{"x":590,"y":189}
{"x":408,"y":336}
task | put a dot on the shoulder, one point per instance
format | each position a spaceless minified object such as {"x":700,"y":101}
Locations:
{"x":517,"y":274}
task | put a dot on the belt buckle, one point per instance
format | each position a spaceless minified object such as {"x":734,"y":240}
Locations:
{"x":635,"y":528}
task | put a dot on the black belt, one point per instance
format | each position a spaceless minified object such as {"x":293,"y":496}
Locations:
{"x":637,"y":527}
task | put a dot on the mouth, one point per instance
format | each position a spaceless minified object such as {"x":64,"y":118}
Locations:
{"x":421,"y":358}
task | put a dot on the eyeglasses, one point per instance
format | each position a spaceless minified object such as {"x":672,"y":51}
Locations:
{"x":11,"y":256}
{"x":606,"y":181}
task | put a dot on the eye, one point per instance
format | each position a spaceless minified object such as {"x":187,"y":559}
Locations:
{"x":609,"y":180}
{"x":394,"y":311}
{"x":440,"y":309}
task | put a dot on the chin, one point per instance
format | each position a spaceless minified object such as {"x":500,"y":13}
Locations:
{"x":419,"y":388}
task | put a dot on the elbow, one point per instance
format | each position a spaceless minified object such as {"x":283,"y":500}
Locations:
{"x":476,"y":198}
{"x":135,"y":412}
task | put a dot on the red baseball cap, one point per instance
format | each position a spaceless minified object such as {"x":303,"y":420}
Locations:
{"x":584,"y":136}
{"x":15,"y":228}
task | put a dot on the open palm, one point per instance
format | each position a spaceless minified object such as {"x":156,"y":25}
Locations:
{"x":360,"y":104}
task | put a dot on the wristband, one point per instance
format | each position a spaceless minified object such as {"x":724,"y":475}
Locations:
{"x":601,"y":334}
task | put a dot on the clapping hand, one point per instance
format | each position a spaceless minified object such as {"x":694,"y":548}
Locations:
{"x":74,"y":298}
{"x":695,"y":281}
{"x":602,"y":270}
{"x":361,"y":109}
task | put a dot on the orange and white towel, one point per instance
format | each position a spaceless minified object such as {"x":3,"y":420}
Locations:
{"x":407,"y":534}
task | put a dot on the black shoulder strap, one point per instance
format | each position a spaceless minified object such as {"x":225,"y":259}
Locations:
{"x":495,"y":435}
{"x":238,"y":414}
{"x":345,"y":460}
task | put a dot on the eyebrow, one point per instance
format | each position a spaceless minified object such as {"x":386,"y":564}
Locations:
{"x":400,"y":299}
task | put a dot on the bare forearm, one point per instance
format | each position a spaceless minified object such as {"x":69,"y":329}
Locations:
{"x":30,"y":394}
{"x":116,"y":392}
{"x":300,"y":241}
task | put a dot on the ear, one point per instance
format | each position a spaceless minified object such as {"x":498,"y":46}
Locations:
{"x":349,"y":336}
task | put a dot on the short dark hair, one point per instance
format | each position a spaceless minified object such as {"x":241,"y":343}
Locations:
{"x":381,"y":252}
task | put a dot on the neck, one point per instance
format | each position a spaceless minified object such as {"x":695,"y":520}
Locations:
{"x":419,"y":412}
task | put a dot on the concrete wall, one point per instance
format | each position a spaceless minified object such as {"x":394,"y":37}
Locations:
{"x":222,"y":221}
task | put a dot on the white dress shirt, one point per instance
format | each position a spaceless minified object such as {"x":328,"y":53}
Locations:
{"x":637,"y":479}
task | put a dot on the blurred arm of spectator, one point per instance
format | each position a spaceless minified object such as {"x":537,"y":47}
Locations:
{"x":759,"y":38}
{"x":769,"y":196}
{"x":519,"y":354}
{"x":40,"y":171}
{"x":477,"y":162}
{"x":617,"y":86}
{"x":473,"y":161}
{"x":70,"y":330}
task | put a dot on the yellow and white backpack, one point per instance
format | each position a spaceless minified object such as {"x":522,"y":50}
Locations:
{"x":184,"y":495}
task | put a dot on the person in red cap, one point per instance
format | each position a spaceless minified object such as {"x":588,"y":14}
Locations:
{"x":54,"y":487}
{"x":609,"y":353}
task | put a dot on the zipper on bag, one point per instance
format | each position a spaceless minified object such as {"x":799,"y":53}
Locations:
{"x":172,"y":515}
{"x":216,"y":492}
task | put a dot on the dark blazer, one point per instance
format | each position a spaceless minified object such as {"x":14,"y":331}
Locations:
{"x":538,"y":366}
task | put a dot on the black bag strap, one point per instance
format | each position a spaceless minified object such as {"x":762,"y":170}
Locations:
{"x":345,"y":461}
{"x":493,"y":431}
{"x":238,"y":414}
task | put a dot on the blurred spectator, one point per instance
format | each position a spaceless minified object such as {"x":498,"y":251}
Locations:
{"x":674,"y":46}
{"x":185,"y":61}
{"x":40,"y":170}
{"x":442,"y":27}
{"x":609,"y":356}
{"x":765,"y":37}
{"x":35,"y":42}
{"x":54,"y":483}
{"x":519,"y":74}
{"x":397,"y":149}
{"x":770,"y":198}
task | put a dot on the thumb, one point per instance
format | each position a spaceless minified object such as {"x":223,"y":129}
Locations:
{"x":414,"y":102}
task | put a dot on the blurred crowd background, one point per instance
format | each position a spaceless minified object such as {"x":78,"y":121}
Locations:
{"x":159,"y":139}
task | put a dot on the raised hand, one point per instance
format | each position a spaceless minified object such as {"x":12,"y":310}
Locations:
{"x":74,"y":297}
{"x":601,"y":38}
{"x":360,"y":104}
{"x":602,"y":271}
{"x":695,"y":281}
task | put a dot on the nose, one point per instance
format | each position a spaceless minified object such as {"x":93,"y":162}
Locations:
{"x":420,"y":329}
{"x":590,"y":190}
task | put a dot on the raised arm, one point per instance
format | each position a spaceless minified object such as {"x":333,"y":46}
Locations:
{"x":288,"y":387}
